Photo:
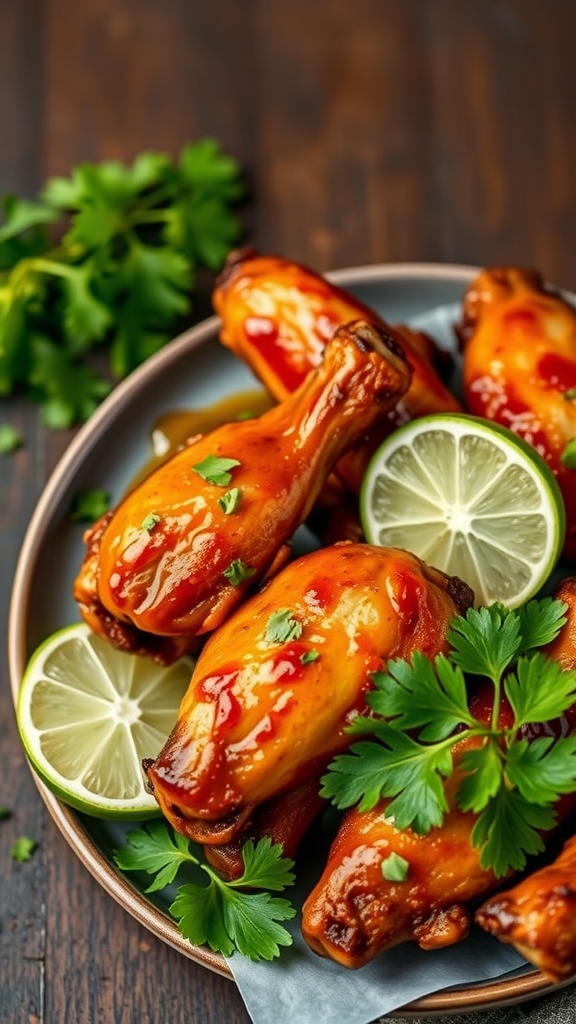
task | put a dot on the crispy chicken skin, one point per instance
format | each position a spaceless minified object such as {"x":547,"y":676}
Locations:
{"x":354,"y":914}
{"x":169,"y":579}
{"x":284,"y":819}
{"x":538,"y":915}
{"x":263,"y":714}
{"x":519,"y":342}
{"x":277,"y":316}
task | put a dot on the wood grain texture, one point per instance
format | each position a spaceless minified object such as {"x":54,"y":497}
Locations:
{"x":378,"y":131}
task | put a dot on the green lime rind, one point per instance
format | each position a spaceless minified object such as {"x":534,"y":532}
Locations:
{"x":411,"y":497}
{"x":67,"y":704}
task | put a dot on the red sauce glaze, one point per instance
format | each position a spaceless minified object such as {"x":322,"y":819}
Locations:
{"x":289,"y":367}
{"x":218,"y":688}
{"x":557,"y":372}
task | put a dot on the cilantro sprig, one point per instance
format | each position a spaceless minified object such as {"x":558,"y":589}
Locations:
{"x":421,"y":712}
{"x":108,"y":257}
{"x":220,"y":914}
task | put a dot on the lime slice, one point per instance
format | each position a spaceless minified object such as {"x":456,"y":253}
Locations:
{"x":88,"y":714}
{"x":470,"y":498}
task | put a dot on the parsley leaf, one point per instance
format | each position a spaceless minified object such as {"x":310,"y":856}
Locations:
{"x":281,"y":627}
{"x":215,"y":469}
{"x":220,"y":914}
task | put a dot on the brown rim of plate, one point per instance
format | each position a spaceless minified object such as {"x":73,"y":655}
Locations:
{"x":490,"y":995}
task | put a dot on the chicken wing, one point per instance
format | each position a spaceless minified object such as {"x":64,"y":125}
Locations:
{"x":277,"y":683}
{"x":278,"y":316}
{"x":519,"y":342}
{"x":354,"y":913}
{"x":185,"y":545}
{"x":538,"y":916}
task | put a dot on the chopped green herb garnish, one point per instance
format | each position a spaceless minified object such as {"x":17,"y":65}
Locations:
{"x":238,"y":571}
{"x":108,"y":258}
{"x":230,"y":501}
{"x":88,"y":506}
{"x":420,"y":712}
{"x":309,"y":656}
{"x":150,"y":522}
{"x":10,"y":439}
{"x":23,"y":849}
{"x":395,"y":868}
{"x":281,"y":627}
{"x":570,"y":394}
{"x":4,"y":812}
{"x":219,"y":914}
{"x":245,"y":414}
{"x":215,"y":470}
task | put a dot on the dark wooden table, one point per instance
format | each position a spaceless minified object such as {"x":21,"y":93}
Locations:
{"x":373,"y":131}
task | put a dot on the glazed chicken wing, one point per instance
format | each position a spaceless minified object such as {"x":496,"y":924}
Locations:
{"x":278,"y":316}
{"x":183,"y":547}
{"x":520,"y":367}
{"x":538,"y":916}
{"x":354,"y":913}
{"x":277,"y":683}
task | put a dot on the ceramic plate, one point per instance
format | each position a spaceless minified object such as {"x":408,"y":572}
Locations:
{"x":193,"y":371}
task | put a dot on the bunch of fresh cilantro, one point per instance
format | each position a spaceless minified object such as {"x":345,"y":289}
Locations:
{"x":108,"y":257}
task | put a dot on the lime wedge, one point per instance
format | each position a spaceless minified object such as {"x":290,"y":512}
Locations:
{"x":470,"y":498}
{"x":88,"y":714}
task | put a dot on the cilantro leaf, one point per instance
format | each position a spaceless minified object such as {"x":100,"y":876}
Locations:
{"x":23,"y":849}
{"x":282,"y":627}
{"x":422,"y":694}
{"x":542,"y":769}
{"x":150,"y":521}
{"x":230,"y":501}
{"x":539,"y":690}
{"x":485,"y":641}
{"x":67,"y":390}
{"x":227,"y":920}
{"x":117,"y":269}
{"x":156,"y":850}
{"x":396,"y":766}
{"x":10,"y":438}
{"x":90,"y":505}
{"x":215,"y":469}
{"x":309,"y":656}
{"x":508,"y":829}
{"x":484,"y":769}
{"x":220,"y":913}
{"x":237,"y":572}
{"x":540,"y":622}
{"x":395,"y":868}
